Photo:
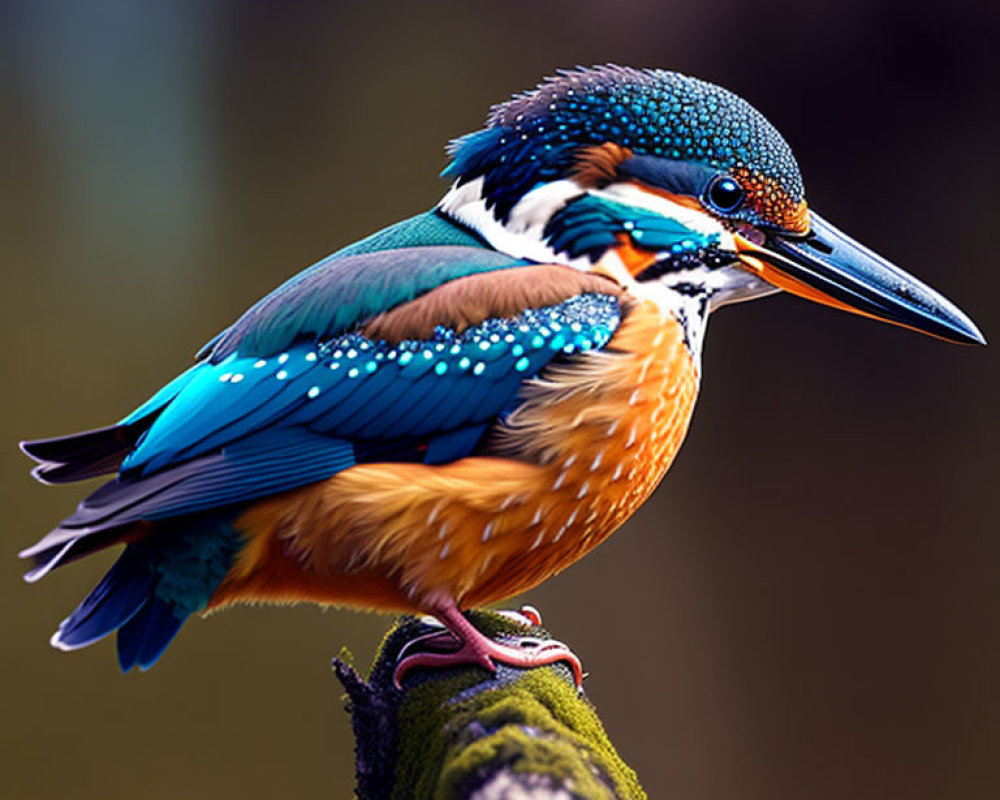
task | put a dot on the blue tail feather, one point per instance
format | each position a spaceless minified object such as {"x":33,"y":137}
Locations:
{"x":142,"y":640}
{"x":156,"y":584}
{"x":112,"y":603}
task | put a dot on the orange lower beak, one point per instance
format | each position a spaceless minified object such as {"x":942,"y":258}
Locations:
{"x":828,"y":267}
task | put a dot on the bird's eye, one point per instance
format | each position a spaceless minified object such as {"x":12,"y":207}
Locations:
{"x":724,"y":194}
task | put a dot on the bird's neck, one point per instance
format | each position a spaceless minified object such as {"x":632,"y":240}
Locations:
{"x":522,"y":233}
{"x":689,"y":303}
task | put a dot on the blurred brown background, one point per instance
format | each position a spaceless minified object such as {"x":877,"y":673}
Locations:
{"x":809,"y":605}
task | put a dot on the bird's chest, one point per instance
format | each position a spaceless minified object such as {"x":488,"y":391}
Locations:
{"x":603,"y":430}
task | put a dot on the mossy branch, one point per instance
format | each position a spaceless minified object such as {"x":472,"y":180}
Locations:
{"x":463,"y":734}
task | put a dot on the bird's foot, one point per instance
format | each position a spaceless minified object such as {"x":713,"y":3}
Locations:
{"x":461,"y":644}
{"x":526,"y":654}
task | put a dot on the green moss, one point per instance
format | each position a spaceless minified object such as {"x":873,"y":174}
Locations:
{"x":456,"y":726}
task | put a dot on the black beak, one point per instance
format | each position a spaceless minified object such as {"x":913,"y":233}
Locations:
{"x":828,"y":266}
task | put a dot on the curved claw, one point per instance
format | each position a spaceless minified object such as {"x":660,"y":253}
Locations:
{"x":434,"y":640}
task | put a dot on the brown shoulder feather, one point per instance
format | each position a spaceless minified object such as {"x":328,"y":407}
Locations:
{"x":469,"y":301}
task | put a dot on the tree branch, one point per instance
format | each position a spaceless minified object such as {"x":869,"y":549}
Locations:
{"x":462,"y":734}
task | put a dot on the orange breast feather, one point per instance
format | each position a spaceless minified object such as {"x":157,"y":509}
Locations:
{"x":588,"y":445}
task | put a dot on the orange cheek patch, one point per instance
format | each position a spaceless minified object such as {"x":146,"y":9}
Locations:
{"x":637,"y":259}
{"x":634,"y":259}
{"x":764,"y":195}
{"x":773,"y":204}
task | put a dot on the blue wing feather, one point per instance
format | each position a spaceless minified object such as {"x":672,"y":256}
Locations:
{"x":453,"y":445}
{"x":163,"y":396}
{"x":421,"y":419}
{"x":353,"y":387}
{"x":381,"y":393}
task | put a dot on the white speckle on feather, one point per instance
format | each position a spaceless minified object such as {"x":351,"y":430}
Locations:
{"x":645,"y":369}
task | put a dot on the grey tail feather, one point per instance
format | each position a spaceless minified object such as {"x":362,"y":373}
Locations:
{"x":65,"y":459}
{"x":68,"y":545}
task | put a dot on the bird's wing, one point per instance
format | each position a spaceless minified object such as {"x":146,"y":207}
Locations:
{"x":419,"y":381}
{"x":329,"y":298}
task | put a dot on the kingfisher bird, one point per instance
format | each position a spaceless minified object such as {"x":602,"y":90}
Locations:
{"x":446,"y":413}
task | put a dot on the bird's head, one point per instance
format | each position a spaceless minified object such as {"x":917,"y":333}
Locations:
{"x":652,"y":176}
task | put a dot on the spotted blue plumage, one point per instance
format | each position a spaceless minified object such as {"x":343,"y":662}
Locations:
{"x":590,"y":224}
{"x":534,"y":137}
{"x":356,"y":388}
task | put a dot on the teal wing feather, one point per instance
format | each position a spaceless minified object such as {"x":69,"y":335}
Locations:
{"x":332,"y":296}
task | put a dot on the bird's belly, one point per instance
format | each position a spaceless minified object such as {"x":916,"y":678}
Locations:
{"x":588,"y":444}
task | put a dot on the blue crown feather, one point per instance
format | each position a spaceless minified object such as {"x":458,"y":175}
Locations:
{"x":533,"y":138}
